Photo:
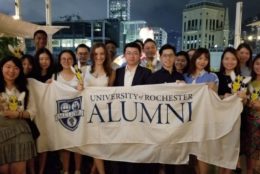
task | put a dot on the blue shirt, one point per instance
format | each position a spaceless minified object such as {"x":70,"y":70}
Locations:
{"x":204,"y":77}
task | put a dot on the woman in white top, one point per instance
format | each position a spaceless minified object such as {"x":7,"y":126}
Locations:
{"x":99,"y":74}
{"x":16,"y":141}
{"x":65,"y":75}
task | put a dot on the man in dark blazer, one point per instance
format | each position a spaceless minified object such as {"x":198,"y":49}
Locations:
{"x":132,"y":74}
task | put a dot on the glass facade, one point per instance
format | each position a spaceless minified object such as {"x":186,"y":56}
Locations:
{"x":119,"y":9}
{"x":130,"y":31}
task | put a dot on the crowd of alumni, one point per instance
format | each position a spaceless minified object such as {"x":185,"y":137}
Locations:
{"x":142,"y":64}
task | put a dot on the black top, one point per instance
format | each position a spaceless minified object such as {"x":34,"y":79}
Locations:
{"x":140,"y":78}
{"x":164,"y":76}
{"x":224,"y":80}
{"x":44,"y":78}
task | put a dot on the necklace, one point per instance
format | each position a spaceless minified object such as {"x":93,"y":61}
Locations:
{"x":95,"y":74}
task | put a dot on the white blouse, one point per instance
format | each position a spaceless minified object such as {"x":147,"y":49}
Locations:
{"x":20,"y":96}
{"x":72,"y":83}
{"x":90,"y":80}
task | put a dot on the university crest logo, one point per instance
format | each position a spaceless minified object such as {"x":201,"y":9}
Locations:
{"x":69,"y":112}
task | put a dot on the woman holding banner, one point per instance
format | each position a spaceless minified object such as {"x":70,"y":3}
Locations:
{"x":199,"y":72}
{"x":44,"y":67}
{"x":66,"y":60}
{"x":229,"y":63}
{"x":99,"y":74}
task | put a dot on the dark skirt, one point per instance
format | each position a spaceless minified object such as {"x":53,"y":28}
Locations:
{"x":16,"y":141}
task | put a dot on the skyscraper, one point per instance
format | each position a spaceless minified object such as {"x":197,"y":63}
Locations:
{"x":119,"y":9}
{"x":160,"y":36}
{"x":205,"y":24}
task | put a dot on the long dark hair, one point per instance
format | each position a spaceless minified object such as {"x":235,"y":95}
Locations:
{"x":38,"y":68}
{"x":106,"y":64}
{"x":247,"y":46}
{"x":59,"y":67}
{"x":234,"y":52}
{"x":196,"y":55}
{"x":20,"y":82}
{"x":31,"y":61}
{"x":253,"y":74}
{"x":185,"y":54}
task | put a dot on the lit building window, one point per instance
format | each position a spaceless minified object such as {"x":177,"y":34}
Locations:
{"x":82,"y":41}
{"x":56,"y":43}
{"x":67,"y":43}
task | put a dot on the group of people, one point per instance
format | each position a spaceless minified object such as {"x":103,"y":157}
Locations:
{"x":143,"y":65}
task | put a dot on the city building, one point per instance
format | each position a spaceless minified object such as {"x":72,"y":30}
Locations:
{"x":118,"y":9}
{"x":205,"y":24}
{"x":174,"y":38}
{"x":160,"y":36}
{"x":130,"y":31}
{"x":81,"y":31}
{"x":251,"y":33}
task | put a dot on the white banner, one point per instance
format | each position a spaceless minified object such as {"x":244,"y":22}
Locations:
{"x":149,"y":124}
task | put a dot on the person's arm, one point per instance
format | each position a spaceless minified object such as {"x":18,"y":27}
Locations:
{"x":80,"y":86}
{"x":213,"y":82}
{"x":112,"y":78}
{"x":213,"y":86}
{"x":225,"y":95}
{"x":16,"y":114}
{"x":243,"y":96}
{"x":29,"y":112}
{"x":255,"y":105}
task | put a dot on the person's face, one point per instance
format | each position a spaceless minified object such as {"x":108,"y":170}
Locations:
{"x":150,"y":49}
{"x":201,"y":62}
{"x":167,"y":58}
{"x":229,"y":61}
{"x":111,"y":49}
{"x":27,"y":66}
{"x":10,"y":71}
{"x":99,"y":56}
{"x":66,"y":60}
{"x":132,"y":56}
{"x":256,"y":67}
{"x":44,"y":61}
{"x":40,"y":41}
{"x":82,"y":55}
{"x":243,"y":55}
{"x":180,"y":63}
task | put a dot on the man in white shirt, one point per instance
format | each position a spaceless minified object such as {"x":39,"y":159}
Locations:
{"x":82,"y":54}
{"x":132,"y":73}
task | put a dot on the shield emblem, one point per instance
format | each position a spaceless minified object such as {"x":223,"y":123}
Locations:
{"x":69,"y":112}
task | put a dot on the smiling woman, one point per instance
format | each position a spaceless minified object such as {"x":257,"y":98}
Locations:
{"x":16,"y":141}
{"x":199,"y":71}
{"x":99,"y":74}
{"x":65,"y":75}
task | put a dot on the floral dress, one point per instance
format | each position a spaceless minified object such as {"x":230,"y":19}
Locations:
{"x":253,"y":130}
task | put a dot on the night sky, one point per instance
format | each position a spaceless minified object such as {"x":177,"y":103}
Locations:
{"x":158,"y":13}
